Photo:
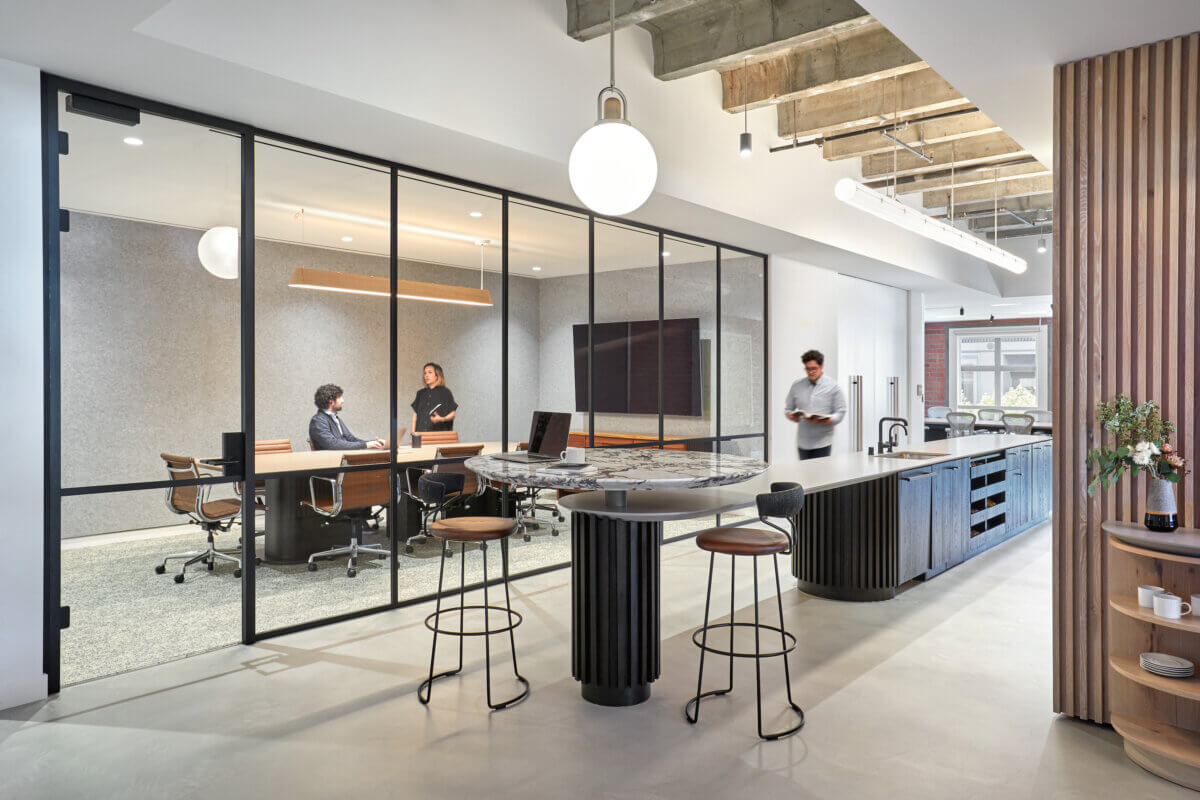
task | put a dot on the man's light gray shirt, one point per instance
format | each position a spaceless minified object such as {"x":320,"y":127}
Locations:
{"x":822,"y":397}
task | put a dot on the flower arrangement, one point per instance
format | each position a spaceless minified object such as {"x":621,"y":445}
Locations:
{"x":1141,"y":444}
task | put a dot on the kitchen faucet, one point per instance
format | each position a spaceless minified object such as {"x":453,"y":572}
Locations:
{"x":890,"y":444}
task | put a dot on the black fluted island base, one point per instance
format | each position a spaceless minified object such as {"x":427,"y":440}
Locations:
{"x":615,"y":636}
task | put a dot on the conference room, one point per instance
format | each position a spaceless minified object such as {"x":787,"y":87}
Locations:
{"x":381,"y":323}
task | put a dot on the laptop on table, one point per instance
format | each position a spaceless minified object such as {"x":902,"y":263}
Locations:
{"x":548,"y":435}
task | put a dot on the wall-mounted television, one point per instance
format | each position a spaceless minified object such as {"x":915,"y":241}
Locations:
{"x":626,"y":367}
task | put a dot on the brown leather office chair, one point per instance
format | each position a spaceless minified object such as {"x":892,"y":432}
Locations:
{"x":351,"y":496}
{"x":431,"y":510}
{"x":434,"y":437}
{"x":262,"y":446}
{"x":213,"y":516}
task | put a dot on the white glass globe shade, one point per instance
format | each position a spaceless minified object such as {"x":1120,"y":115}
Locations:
{"x":218,"y":251}
{"x":612,"y":168}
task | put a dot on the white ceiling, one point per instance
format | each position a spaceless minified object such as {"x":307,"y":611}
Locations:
{"x":1002,"y":54}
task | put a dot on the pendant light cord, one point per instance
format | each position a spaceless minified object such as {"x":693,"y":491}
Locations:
{"x":745,"y":97}
{"x":612,"y":30}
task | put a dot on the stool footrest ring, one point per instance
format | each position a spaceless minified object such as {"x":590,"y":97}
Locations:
{"x":708,"y":648}
{"x":431,"y":620}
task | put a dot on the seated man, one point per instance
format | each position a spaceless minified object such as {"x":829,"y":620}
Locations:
{"x":326,"y":430}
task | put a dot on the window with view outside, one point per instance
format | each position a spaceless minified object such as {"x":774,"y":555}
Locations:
{"x":1004,"y":368}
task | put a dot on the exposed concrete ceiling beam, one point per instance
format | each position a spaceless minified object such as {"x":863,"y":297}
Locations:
{"x":984,"y":192}
{"x":868,"y":53}
{"x":1036,"y":202}
{"x":917,"y":93}
{"x":719,"y":34}
{"x":1042,"y":230}
{"x":936,"y":131}
{"x":1006,"y":218}
{"x":968,"y":152}
{"x":587,"y":19}
{"x":968,"y":176}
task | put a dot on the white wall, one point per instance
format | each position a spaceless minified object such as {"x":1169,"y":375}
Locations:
{"x":915,"y":390}
{"x":21,"y":677}
{"x":802,"y":309}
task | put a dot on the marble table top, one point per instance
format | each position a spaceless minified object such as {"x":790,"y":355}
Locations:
{"x":627,"y":469}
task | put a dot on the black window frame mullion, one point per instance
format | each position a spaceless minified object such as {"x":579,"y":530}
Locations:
{"x":246,"y":278}
{"x":661,"y":348}
{"x":394,"y":522}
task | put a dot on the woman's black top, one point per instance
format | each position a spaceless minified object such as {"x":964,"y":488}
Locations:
{"x":426,"y":401}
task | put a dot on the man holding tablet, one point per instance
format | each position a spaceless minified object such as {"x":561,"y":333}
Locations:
{"x":816,"y":404}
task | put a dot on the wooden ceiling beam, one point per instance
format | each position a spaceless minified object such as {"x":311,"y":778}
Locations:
{"x":968,"y":176}
{"x":984,"y":192}
{"x":919,"y":134}
{"x":917,"y":93}
{"x":866,"y":54}
{"x":966,"y":153}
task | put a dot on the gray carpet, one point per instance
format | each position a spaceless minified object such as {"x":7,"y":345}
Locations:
{"x":124,"y":616}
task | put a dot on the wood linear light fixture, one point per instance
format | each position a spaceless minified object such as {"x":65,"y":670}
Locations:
{"x":329,"y":281}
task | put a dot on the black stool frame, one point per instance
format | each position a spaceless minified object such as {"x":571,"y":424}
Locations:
{"x":787,"y":641}
{"x":433,"y":623}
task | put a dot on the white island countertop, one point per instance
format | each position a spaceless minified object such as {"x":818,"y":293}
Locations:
{"x":821,"y":474}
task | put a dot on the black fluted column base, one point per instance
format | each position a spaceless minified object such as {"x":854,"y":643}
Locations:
{"x":615,"y":632}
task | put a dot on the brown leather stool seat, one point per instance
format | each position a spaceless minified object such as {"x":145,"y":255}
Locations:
{"x":473,"y":529}
{"x":742,"y":541}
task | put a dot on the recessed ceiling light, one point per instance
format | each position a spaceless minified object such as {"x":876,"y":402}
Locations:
{"x":347,"y":238}
{"x":666,"y":253}
{"x":133,"y":141}
{"x":476,"y":214}
{"x":536,"y":269}
{"x":1004,"y":305}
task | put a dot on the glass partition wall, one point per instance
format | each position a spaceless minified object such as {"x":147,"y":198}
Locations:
{"x":266,"y":308}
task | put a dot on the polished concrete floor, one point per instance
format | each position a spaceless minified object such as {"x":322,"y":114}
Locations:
{"x":943,"y":692}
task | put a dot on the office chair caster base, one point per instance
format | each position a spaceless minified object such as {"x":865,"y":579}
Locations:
{"x":179,"y":578}
{"x":408,"y":548}
{"x":237,"y":573}
{"x":160,"y":569}
{"x":351,"y":572}
{"x":210,"y":565}
{"x":312,"y":567}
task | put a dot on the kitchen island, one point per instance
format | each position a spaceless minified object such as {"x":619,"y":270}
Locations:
{"x":873,"y":523}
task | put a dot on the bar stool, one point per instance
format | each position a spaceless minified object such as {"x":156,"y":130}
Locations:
{"x":464,"y":530}
{"x":783,"y":501}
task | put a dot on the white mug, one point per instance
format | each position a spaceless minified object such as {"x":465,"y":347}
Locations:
{"x":574,"y":455}
{"x":1170,"y":606}
{"x":1196,"y":604}
{"x":1146,"y":595}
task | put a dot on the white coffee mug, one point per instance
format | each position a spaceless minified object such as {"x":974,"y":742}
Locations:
{"x":1170,"y":606}
{"x":1196,"y":604}
{"x":1146,"y":595}
{"x":574,"y":455}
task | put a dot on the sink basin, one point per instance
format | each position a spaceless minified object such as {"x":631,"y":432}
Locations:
{"x":909,"y":455}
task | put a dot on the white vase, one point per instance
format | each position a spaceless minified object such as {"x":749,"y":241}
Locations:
{"x":1161,"y":512}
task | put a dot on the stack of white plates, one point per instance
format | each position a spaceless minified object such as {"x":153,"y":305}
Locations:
{"x":1167,"y":666}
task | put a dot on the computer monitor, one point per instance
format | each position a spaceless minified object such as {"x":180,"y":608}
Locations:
{"x":548,"y":433}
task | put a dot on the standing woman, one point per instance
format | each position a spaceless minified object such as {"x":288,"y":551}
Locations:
{"x":433,"y":407}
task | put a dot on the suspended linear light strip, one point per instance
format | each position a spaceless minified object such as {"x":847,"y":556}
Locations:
{"x":886,"y":208}
{"x":346,"y":283}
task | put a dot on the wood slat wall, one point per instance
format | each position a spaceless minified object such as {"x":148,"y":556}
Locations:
{"x":1125,"y":297}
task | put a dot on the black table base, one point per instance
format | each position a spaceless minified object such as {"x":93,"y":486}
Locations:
{"x":615,"y":637}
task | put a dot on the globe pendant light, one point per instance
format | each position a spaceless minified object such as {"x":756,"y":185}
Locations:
{"x":612,"y":166}
{"x":218,"y":251}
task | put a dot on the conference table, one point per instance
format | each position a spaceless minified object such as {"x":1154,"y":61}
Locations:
{"x":617,"y":517}
{"x":940,"y":427}
{"x":294,"y":531}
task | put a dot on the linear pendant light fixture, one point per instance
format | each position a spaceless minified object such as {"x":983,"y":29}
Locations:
{"x":612,"y":166}
{"x":887,"y":208}
{"x":346,"y":283}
